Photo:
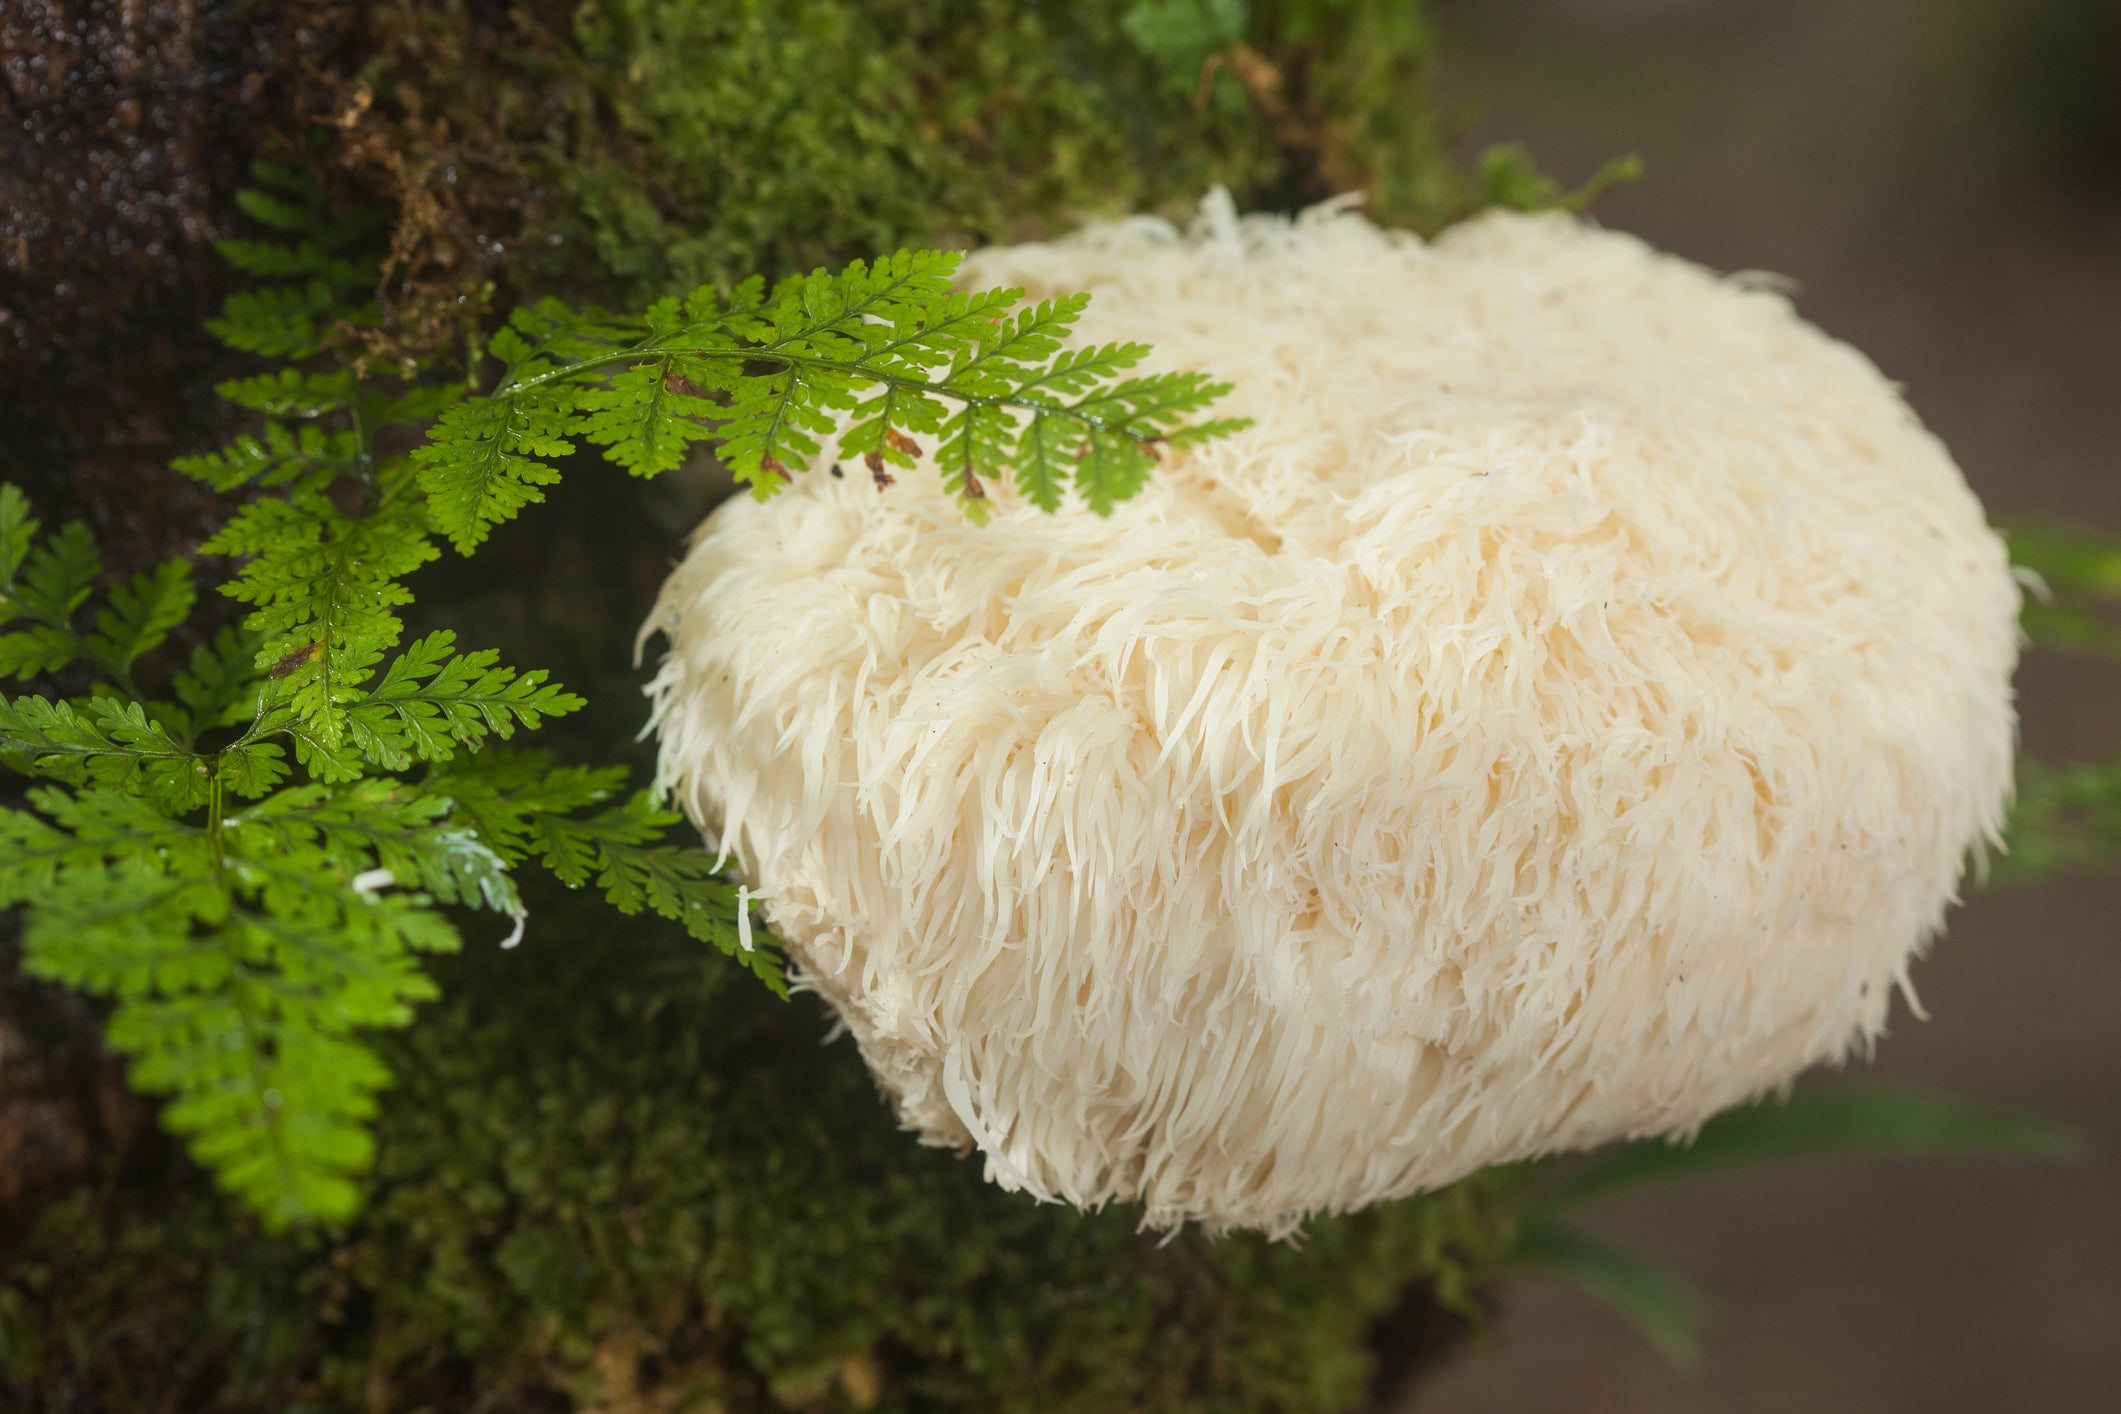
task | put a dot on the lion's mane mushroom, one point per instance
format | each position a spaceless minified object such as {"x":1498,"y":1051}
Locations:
{"x":1562,"y":715}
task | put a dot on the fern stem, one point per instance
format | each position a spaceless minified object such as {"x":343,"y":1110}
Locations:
{"x":215,"y":805}
{"x":364,"y":461}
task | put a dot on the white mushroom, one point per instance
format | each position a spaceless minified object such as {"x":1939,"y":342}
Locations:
{"x":1564,"y":714}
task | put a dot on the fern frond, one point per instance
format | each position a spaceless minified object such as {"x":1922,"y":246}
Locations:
{"x":291,"y":392}
{"x":1110,"y":469}
{"x":44,"y":583}
{"x":820,"y":313}
{"x":57,"y":576}
{"x":1042,"y":451}
{"x":485,"y":460}
{"x":1194,"y":433}
{"x":975,"y":444}
{"x":390,"y":825}
{"x":526,"y":809}
{"x":277,"y":212}
{"x":294,"y":320}
{"x":997,"y":364}
{"x":647,"y":417}
{"x":503,"y":795}
{"x":239,"y":1000}
{"x":219,"y":685}
{"x":141,"y":615}
{"x":431,"y":702}
{"x":48,"y":583}
{"x":769,"y":380}
{"x":325,"y":587}
{"x":106,"y":742}
{"x":308,"y":458}
{"x":779,"y":417}
{"x":241,"y":966}
{"x":34,"y":651}
{"x":550,"y":332}
{"x":277,"y":321}
{"x":18,"y":531}
{"x":249,"y":769}
{"x":275,"y":260}
{"x":418,"y":403}
{"x":637,"y":871}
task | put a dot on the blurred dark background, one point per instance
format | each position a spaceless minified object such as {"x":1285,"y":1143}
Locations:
{"x":1942,"y":180}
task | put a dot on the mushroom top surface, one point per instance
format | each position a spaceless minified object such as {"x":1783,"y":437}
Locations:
{"x":1564,"y":713}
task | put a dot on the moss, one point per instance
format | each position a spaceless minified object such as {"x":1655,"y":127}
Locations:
{"x":630,"y":146}
{"x":614,"y":1175}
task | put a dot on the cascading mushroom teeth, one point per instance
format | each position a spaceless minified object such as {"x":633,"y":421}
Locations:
{"x":1563,"y":714}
